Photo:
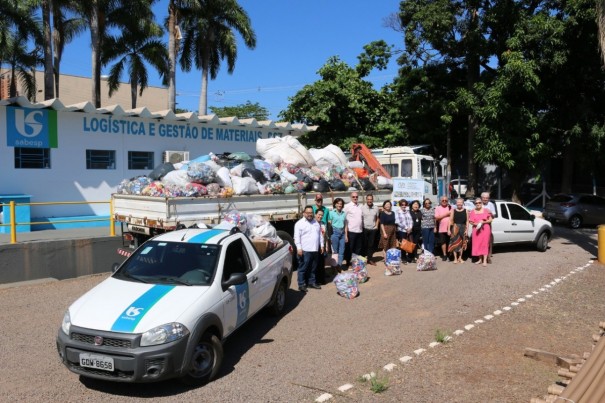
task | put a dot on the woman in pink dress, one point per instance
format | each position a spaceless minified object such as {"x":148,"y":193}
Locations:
{"x":480,"y":218}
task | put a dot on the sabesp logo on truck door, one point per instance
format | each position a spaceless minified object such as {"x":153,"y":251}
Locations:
{"x":31,"y":128}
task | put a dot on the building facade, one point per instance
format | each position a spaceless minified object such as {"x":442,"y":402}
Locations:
{"x":77,"y":153}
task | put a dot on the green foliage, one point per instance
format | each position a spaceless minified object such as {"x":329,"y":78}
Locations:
{"x":376,"y":55}
{"x":378,"y":385}
{"x":347,"y":108}
{"x":441,"y":336}
{"x":139,"y":44}
{"x":209,"y":38}
{"x":523,"y":77}
{"x":242,"y":111}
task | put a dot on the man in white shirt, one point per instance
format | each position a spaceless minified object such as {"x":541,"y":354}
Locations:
{"x":307,"y":238}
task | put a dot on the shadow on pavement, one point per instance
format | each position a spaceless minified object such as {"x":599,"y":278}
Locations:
{"x":236,"y":345}
{"x":586,"y":238}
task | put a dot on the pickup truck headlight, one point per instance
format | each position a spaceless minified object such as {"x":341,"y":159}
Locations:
{"x":164,"y":334}
{"x":66,"y":324}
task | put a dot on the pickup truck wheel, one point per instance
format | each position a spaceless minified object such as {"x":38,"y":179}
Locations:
{"x":205,"y":361}
{"x":575,"y":222}
{"x":286,"y":237}
{"x":279,"y":301}
{"x":542,"y":244}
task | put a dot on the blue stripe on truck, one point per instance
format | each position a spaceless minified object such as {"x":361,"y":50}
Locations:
{"x":130,"y":318}
{"x":205,"y":236}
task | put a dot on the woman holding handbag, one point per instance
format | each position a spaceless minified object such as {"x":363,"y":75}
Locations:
{"x":457,"y":230}
{"x":404,"y":230}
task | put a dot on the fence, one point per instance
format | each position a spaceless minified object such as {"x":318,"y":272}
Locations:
{"x":12,"y":222}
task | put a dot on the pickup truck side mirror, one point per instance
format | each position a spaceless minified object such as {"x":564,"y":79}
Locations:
{"x":532,"y":217}
{"x":114,"y":267}
{"x":234,"y":279}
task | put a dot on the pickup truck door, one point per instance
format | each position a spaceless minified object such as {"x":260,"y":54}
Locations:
{"x":514,"y":224}
{"x":239,"y":301}
{"x":268,"y":272}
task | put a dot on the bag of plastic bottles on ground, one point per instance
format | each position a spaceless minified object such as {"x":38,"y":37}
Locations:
{"x":347,"y":285}
{"x":426,"y":261}
{"x":358,"y":264}
{"x":393,"y":262}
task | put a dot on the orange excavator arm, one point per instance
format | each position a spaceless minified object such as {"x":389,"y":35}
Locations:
{"x":362,"y":153}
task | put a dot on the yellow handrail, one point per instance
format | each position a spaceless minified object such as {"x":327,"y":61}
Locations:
{"x":12,"y":205}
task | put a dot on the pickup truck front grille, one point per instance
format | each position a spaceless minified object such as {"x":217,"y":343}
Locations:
{"x":106,"y":374}
{"x":107,"y":341}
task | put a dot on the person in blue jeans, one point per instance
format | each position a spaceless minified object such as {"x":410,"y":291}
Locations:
{"x":428,"y":226}
{"x":338,"y":221}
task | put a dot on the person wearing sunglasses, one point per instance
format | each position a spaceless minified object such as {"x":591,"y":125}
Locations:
{"x":480,"y":218}
{"x":428,"y":225}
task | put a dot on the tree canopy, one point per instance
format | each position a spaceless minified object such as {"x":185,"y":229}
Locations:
{"x":513,"y":84}
{"x":345,"y":106}
{"x":242,"y":111}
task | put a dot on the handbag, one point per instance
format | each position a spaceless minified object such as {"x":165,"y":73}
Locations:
{"x":407,"y":246}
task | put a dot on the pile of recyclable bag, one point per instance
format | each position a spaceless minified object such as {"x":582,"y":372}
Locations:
{"x":393,"y":262}
{"x":253,"y":225}
{"x":358,"y":264}
{"x":426,"y":261}
{"x":286,"y":167}
{"x":347,"y":285}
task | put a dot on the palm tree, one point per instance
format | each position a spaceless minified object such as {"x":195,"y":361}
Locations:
{"x":601,"y":26}
{"x":101,"y":15}
{"x":49,"y":92}
{"x":176,"y":8}
{"x":209,"y":38}
{"x":64,"y":31}
{"x":22,"y":63}
{"x":16,"y":17}
{"x":139,"y":43}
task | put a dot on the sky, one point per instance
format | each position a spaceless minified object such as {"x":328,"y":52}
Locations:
{"x":294,"y":39}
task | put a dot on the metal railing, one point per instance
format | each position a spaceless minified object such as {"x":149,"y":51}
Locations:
{"x":12,"y":205}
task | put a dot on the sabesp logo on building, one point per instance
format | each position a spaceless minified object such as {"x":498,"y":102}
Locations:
{"x":31,"y":128}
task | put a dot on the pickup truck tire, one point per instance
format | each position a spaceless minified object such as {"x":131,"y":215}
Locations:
{"x":286,"y":237}
{"x":542,"y":242}
{"x":206,"y":360}
{"x":277,"y":306}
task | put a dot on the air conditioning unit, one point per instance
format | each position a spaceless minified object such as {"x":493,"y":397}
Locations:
{"x":175,"y":156}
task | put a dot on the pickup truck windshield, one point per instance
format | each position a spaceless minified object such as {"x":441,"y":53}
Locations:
{"x":171,"y":263}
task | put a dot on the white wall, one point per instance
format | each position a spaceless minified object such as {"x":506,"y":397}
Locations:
{"x":69,"y":180}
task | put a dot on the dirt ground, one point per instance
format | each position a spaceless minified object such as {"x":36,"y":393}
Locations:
{"x":487,"y":363}
{"x":324,"y":341}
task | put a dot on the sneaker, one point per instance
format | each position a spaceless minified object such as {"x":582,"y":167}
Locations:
{"x":444,"y":258}
{"x":302,"y":288}
{"x":314,"y":286}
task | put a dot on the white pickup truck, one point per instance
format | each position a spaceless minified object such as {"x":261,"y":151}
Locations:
{"x":166,"y":310}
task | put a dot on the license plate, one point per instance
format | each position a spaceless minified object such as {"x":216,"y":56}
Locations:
{"x":96,"y":361}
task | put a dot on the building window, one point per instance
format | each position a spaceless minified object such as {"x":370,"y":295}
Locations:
{"x":140,"y":160}
{"x":34,"y":158}
{"x":100,"y":159}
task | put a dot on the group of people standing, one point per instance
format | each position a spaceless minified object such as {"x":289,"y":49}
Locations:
{"x":353,"y":228}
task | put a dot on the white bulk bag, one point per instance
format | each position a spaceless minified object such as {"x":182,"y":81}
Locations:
{"x":284,"y":149}
{"x":244,"y":186}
